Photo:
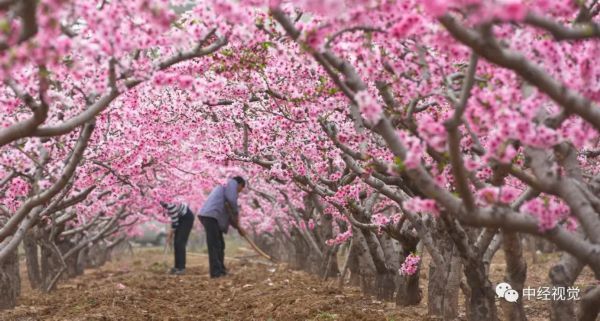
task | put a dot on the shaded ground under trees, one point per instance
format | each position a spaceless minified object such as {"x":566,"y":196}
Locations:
{"x":135,"y":287}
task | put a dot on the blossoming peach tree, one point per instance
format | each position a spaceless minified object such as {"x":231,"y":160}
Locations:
{"x":458,"y":110}
{"x":376,"y":129}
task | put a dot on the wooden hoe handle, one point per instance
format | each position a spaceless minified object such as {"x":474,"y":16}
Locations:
{"x":258,"y":250}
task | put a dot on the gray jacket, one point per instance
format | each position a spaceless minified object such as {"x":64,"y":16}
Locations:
{"x":215,"y":205}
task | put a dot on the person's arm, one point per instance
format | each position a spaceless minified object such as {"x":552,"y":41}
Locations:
{"x":231,"y":197}
{"x":235,"y":222}
{"x":170,"y":235}
{"x":174,"y":219}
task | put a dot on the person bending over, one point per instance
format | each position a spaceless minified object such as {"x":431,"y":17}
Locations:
{"x":182,"y":220}
{"x":219,"y":211}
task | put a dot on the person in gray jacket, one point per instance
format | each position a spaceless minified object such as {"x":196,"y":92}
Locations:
{"x":218,"y":212}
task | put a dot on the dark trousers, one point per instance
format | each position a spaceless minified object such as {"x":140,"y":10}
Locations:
{"x":182,"y":232}
{"x":216,"y":246}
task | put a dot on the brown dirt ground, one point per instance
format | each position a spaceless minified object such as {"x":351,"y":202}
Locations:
{"x":136,"y":287}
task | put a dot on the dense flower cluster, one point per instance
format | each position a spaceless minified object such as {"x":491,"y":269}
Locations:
{"x":185,"y":96}
{"x":548,"y":211}
{"x":410,"y":265}
{"x":419,"y":205}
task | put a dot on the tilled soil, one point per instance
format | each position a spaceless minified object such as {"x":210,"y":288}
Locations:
{"x":138,"y":288}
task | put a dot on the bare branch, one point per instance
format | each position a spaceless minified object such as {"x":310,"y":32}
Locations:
{"x":394,"y":195}
{"x":27,"y":11}
{"x":26,"y":127}
{"x":81,"y":196}
{"x":81,"y":228}
{"x":570,"y":100}
{"x":351,"y":29}
{"x":196,"y":52}
{"x":44,"y":196}
{"x":560,"y":32}
{"x":458,"y":166}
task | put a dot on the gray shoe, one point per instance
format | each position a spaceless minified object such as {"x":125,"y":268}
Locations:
{"x":176,"y":271}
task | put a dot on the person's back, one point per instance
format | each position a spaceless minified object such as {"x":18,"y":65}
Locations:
{"x":215,"y":205}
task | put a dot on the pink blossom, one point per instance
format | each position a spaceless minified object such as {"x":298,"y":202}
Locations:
{"x":433,"y":132}
{"x":419,"y":205}
{"x":543,"y":137}
{"x":414,"y":148}
{"x":231,"y":11}
{"x":508,"y":194}
{"x":369,"y":107}
{"x":302,"y":225}
{"x":548,"y":212}
{"x":340,"y":238}
{"x":410,"y":265}
{"x":435,"y":7}
{"x":405,"y":26}
{"x":324,"y":7}
{"x":491,"y":194}
{"x":571,"y":224}
{"x":471,"y":164}
{"x":513,"y":10}
{"x":274,"y":3}
{"x":380,"y":219}
{"x":488,"y":195}
{"x":315,"y":38}
{"x":185,"y":81}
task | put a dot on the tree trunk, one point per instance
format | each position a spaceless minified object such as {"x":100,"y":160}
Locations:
{"x":330,"y":265}
{"x":97,"y":255}
{"x":516,"y":273}
{"x":32,"y":260}
{"x":442,"y":298}
{"x":530,"y":241}
{"x":408,"y":291}
{"x":563,"y":274}
{"x":353,"y":265}
{"x":490,"y":252}
{"x":82,"y":260}
{"x":384,"y":279}
{"x":590,"y":304}
{"x":10,"y":281}
{"x":73,"y":269}
{"x":299,"y":257}
{"x":392,"y":255}
{"x":482,"y":303}
{"x":50,"y":265}
{"x":366,"y":267}
{"x":435,"y":290}
{"x":453,"y":286}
